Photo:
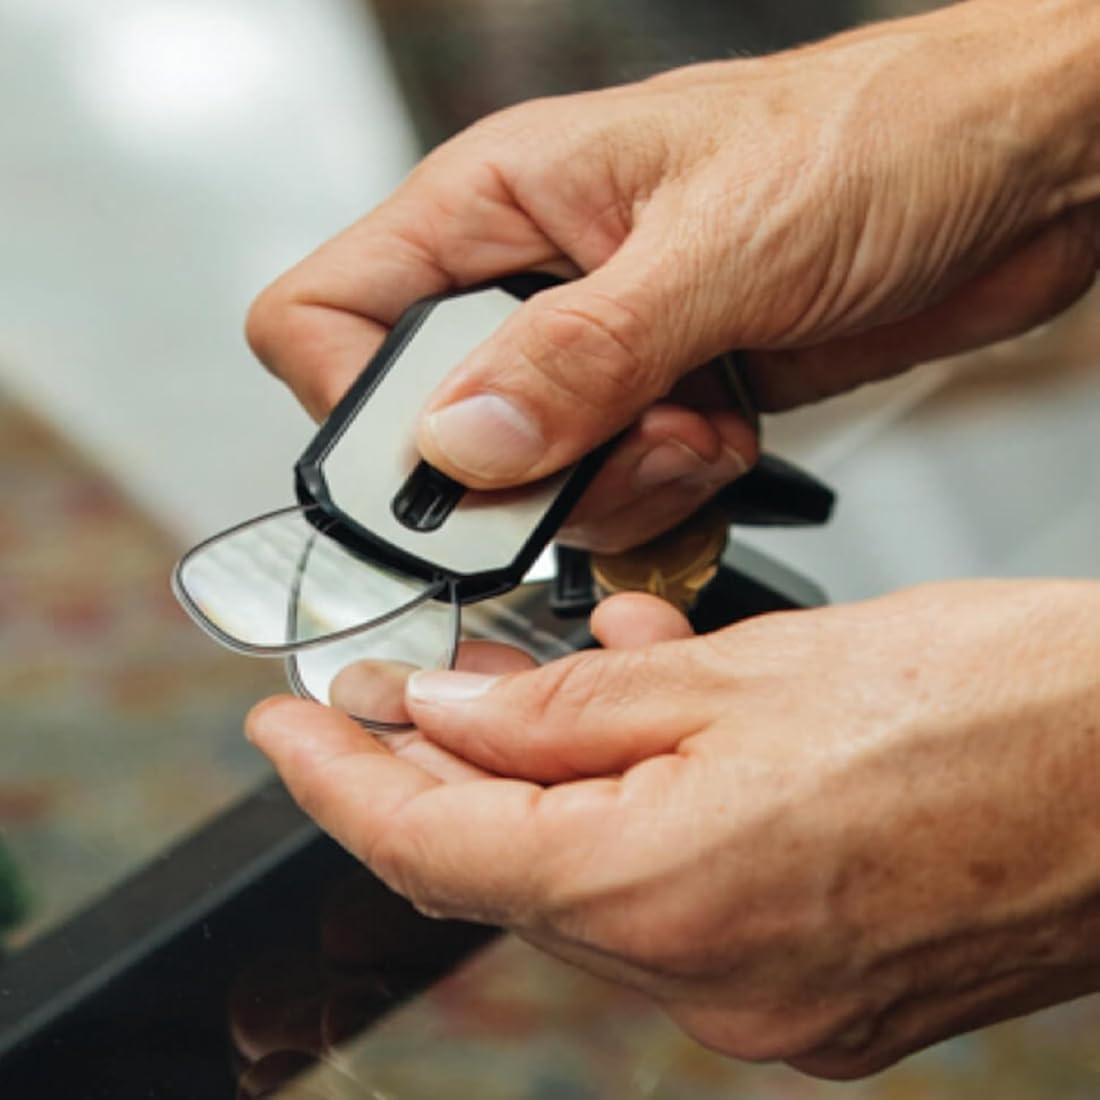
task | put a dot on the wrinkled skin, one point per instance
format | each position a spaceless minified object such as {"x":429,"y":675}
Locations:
{"x":830,"y":837}
{"x":833,"y":209}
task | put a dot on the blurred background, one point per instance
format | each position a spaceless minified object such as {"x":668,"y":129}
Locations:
{"x":160,"y":161}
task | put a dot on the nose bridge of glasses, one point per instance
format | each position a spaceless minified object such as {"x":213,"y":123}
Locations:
{"x":336,"y":594}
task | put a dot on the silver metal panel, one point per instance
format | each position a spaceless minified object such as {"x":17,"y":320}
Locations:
{"x":376,"y":453}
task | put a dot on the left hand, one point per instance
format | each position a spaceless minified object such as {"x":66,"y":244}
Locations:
{"x":829,"y":837}
{"x":829,"y":209}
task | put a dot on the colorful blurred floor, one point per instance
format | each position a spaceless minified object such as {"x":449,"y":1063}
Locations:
{"x":121,"y":723}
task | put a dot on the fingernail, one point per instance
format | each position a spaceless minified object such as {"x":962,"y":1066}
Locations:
{"x":488,"y":436}
{"x":669,"y":462}
{"x":728,"y":468}
{"x":447,"y":687}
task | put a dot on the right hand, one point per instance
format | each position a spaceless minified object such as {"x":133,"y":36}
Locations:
{"x":894,"y":195}
{"x":830,"y":837}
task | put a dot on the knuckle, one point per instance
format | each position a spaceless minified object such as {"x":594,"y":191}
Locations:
{"x":568,"y":689}
{"x":534,"y":125}
{"x":280,"y":328}
{"x":594,"y":351}
{"x":575,"y":694}
{"x":574,"y":686}
{"x":762,"y":1044}
{"x":501,"y":126}
{"x":521,"y":139}
{"x":289,"y":336}
{"x":264,"y":321}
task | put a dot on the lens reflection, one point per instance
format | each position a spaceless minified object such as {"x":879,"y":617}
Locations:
{"x":278,"y":582}
{"x":364,"y":675}
{"x":352,"y":631}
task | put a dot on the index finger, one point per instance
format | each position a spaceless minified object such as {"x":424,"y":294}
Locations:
{"x":452,"y":223}
{"x":481,"y":849}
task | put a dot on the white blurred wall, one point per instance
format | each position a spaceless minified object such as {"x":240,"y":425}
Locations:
{"x":160,"y":161}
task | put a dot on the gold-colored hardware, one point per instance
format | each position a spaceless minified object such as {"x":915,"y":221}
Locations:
{"x":676,"y":566}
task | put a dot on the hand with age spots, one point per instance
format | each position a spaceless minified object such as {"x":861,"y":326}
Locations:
{"x":830,"y":837}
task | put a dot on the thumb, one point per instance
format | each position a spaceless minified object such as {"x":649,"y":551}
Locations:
{"x":572,"y":367}
{"x":592,"y":714}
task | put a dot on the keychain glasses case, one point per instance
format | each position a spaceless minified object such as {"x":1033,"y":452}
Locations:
{"x":363,"y":580}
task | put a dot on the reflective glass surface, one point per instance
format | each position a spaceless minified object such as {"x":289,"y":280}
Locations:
{"x":277,"y":583}
{"x":364,"y":675}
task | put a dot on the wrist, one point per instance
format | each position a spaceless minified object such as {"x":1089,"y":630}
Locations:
{"x":1019,"y":83}
{"x":1014,"y":81}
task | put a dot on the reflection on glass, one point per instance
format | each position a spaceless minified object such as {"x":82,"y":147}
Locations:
{"x":521,"y":618}
{"x":277,"y":582}
{"x":364,"y":675}
{"x":352,"y":631}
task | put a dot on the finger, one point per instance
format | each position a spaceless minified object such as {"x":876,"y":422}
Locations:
{"x":369,"y":687}
{"x":669,"y":463}
{"x":310,"y":744}
{"x":632,"y":525}
{"x":436,"y":761}
{"x":590,"y":714}
{"x":1037,"y":282}
{"x":631,"y":620}
{"x":373,"y":687}
{"x":451,"y":224}
{"x":484,"y":850}
{"x":493,"y":658}
{"x":634,"y":620}
{"x":572,"y":367}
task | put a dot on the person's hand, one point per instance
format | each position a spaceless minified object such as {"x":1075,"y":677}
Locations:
{"x":829,"y":837}
{"x":890,"y":196}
